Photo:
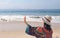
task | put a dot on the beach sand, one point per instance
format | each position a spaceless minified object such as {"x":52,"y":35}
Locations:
{"x":17,"y":29}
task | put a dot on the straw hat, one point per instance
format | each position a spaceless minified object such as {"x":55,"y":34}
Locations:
{"x":47,"y":19}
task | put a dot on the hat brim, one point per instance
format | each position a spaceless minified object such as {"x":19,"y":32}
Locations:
{"x":45,"y":21}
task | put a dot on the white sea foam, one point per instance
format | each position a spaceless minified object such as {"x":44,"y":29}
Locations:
{"x":7,"y":18}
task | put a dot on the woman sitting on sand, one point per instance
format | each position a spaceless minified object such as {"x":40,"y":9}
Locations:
{"x":40,"y":32}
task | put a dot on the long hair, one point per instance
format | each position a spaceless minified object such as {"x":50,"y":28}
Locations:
{"x":46,"y":26}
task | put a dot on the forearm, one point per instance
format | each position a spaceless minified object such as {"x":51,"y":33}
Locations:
{"x":25,"y":20}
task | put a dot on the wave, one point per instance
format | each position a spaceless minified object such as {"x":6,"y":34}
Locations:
{"x":7,"y":18}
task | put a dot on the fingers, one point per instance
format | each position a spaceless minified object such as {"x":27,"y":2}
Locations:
{"x":24,"y":18}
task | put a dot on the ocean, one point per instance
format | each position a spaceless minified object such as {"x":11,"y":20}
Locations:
{"x":38,"y":12}
{"x":31,"y":14}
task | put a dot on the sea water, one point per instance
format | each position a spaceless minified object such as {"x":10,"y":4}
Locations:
{"x":31,"y":14}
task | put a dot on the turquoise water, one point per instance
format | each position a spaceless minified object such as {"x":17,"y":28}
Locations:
{"x":39,"y":12}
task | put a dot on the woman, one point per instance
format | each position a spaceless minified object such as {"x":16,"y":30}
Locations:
{"x":40,"y":32}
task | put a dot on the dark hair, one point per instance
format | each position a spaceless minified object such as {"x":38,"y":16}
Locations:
{"x":48,"y":27}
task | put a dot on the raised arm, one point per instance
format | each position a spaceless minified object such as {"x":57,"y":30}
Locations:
{"x":25,"y":20}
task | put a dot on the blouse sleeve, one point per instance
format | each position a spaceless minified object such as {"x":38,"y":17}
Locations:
{"x":30,"y":30}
